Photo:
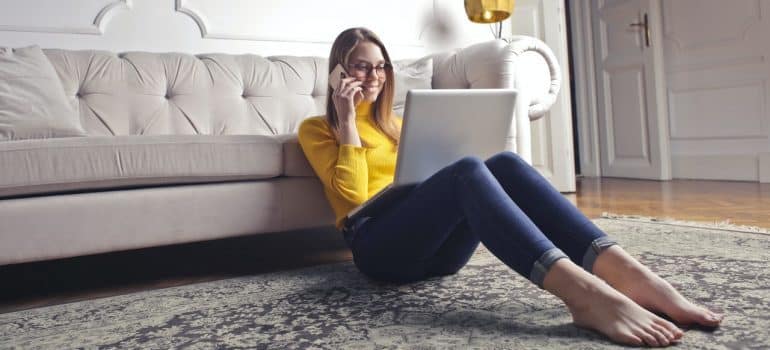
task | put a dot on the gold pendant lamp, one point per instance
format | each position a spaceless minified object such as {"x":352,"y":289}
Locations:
{"x":488,"y":11}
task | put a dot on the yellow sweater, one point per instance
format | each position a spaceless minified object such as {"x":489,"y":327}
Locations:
{"x":350,"y":174}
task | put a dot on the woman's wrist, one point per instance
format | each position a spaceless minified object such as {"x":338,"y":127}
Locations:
{"x":349,"y":134}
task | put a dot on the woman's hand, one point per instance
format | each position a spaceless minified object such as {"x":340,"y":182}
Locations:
{"x":346,"y":96}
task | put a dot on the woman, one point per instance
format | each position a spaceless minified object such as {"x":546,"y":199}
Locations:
{"x":502,"y":202}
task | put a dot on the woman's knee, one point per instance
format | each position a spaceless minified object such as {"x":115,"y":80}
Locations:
{"x":505,"y":157}
{"x":467,"y":165}
{"x":507,"y":164}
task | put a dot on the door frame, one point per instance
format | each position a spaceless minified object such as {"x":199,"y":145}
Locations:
{"x":585,"y":94}
{"x":553,"y":153}
{"x":586,"y":97}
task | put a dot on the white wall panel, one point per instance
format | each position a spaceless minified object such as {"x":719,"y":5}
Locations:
{"x":398,"y":22}
{"x":528,"y":16}
{"x":265,"y":27}
{"x":720,"y":112}
{"x":55,"y":16}
{"x":741,"y":167}
{"x":718,"y":69}
{"x":717,"y":21}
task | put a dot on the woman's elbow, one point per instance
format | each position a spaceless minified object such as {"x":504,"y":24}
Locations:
{"x":355,"y":197}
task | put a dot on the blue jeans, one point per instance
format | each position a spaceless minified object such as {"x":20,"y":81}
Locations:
{"x":502,"y":202}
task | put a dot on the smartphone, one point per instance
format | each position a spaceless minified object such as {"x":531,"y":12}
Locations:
{"x":336,"y":75}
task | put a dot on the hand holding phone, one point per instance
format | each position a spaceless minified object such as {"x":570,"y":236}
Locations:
{"x":340,"y":80}
{"x":346,"y":94}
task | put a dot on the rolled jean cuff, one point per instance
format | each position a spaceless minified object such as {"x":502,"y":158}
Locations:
{"x":543,"y":264}
{"x":593,"y":251}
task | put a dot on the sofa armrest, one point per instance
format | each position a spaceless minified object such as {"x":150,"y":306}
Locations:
{"x":521,"y":62}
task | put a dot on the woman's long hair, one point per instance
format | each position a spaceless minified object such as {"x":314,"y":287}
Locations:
{"x":345,"y":43}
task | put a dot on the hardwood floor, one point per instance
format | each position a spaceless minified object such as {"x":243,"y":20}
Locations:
{"x":67,"y":280}
{"x":742,"y":203}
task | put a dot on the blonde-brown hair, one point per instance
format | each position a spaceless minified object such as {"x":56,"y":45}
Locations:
{"x":345,"y":43}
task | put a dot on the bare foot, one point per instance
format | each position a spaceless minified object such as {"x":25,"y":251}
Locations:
{"x":647,"y":289}
{"x":596,"y":305}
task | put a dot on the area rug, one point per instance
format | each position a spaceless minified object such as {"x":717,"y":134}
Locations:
{"x":484,"y":306}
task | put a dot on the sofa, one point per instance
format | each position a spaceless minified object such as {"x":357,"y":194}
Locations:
{"x":176,"y":148}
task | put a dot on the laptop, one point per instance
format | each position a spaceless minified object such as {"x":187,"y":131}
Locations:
{"x":441,"y":126}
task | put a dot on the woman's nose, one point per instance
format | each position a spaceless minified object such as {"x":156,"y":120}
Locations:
{"x":373,"y":72}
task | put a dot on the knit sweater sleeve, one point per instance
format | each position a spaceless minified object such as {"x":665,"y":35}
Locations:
{"x":342,"y":169}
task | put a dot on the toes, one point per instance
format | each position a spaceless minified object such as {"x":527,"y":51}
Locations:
{"x":630,"y":339}
{"x":672,"y":329}
{"x":692,"y":314}
{"x":648,"y":338}
{"x":670,"y":338}
{"x":659,"y":336}
{"x":706,"y":317}
{"x":713,"y":318}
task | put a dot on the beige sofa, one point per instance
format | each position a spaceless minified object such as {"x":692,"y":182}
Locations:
{"x":183,"y":148}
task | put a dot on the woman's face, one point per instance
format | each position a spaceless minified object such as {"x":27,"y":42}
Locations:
{"x":367,"y":64}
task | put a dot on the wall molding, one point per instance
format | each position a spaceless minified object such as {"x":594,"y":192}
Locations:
{"x":106,"y":13}
{"x":201,"y":21}
{"x":715,"y":64}
{"x":98,"y":24}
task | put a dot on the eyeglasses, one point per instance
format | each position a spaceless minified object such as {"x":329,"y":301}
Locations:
{"x":364,"y":69}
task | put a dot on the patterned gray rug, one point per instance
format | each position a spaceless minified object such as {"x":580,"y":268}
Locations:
{"x":484,"y":306}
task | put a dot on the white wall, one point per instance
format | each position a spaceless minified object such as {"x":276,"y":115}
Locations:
{"x":718,"y":72}
{"x":265,"y":27}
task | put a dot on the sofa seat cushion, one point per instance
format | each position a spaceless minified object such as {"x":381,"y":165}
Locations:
{"x":101,"y":162}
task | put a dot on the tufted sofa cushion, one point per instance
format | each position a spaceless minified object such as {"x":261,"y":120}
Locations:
{"x":70,"y":164}
{"x":141,"y":93}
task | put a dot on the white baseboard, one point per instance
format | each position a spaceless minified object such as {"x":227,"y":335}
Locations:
{"x":764,"y":167}
{"x":735,"y":167}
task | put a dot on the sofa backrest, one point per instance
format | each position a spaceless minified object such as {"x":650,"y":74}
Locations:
{"x":141,"y":93}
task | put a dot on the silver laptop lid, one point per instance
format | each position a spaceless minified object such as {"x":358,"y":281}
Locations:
{"x":441,"y":126}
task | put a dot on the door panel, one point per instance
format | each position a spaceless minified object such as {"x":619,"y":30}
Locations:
{"x":628,"y":86}
{"x":632,"y":106}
